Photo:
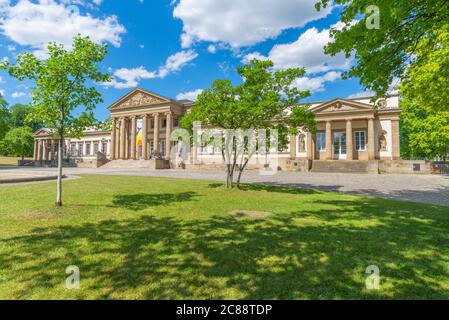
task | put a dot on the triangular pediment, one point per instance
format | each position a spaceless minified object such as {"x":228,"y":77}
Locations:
{"x":137,"y":98}
{"x":339,"y":105}
{"x":42,"y":132}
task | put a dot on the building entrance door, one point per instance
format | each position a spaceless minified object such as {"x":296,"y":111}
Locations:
{"x":339,"y":146}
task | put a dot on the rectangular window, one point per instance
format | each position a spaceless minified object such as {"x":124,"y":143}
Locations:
{"x":80,"y":149}
{"x":87,"y":149}
{"x":321,"y":141}
{"x":104,"y":147}
{"x":96,"y":148}
{"x":175,"y":122}
{"x":162,"y":146}
{"x":164,"y":123}
{"x":360,"y":140}
{"x":73,"y":149}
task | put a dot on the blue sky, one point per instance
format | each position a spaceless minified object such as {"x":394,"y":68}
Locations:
{"x":177,"y":48}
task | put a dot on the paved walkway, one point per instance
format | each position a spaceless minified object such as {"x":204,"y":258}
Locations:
{"x":433,"y":189}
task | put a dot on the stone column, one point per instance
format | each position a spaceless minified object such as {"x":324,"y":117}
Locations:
{"x":52,"y":150}
{"x":36,"y":150}
{"x":396,"y":141}
{"x":112,"y":146}
{"x":133,"y":138}
{"x":145,"y":137}
{"x":39,"y":150}
{"x":349,"y":141}
{"x":117,"y":139}
{"x":168,"y":135}
{"x":44,"y":150}
{"x":122,"y":138}
{"x":371,"y":140}
{"x":310,"y":146}
{"x":156,"y":132}
{"x":126,"y":138}
{"x":328,"y":140}
{"x":292,"y":146}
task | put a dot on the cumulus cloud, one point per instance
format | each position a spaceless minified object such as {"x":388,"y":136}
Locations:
{"x":240,"y":23}
{"x":307,"y":51}
{"x":2,"y":92}
{"x":315,"y":84}
{"x":190,"y":95}
{"x":36,"y":24}
{"x":18,"y":94}
{"x":128,"y":78}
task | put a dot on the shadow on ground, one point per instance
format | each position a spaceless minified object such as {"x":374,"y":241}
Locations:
{"x":302,"y":254}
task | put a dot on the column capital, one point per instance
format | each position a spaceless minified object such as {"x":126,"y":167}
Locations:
{"x":156,"y":114}
{"x":168,"y":113}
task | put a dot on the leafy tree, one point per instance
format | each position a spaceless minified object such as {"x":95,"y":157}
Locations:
{"x":61,"y":98}
{"x":424,"y":132}
{"x":19,"y":142}
{"x":265,"y":100}
{"x":5,"y":117}
{"x":383,"y":54}
{"x":19,"y":114}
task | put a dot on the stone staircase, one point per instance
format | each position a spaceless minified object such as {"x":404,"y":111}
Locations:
{"x":345,"y":166}
{"x":128,"y":164}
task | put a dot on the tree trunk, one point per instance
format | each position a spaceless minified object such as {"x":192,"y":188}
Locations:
{"x":59,"y":184}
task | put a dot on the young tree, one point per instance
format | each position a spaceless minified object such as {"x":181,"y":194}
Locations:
{"x":61,"y":97}
{"x":19,"y":142}
{"x":384,"y":49}
{"x":265,"y":100}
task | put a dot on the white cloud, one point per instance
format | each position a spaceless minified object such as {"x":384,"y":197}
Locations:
{"x":18,"y":94}
{"x":241,"y":23}
{"x":307,"y":51}
{"x":37,"y":24}
{"x":128,"y":78}
{"x":2,"y":92}
{"x":315,"y":84}
{"x":212,"y":49}
{"x":361,"y":94}
{"x":190,"y":95}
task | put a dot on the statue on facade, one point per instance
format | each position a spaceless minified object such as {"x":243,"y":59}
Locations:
{"x":383,"y":141}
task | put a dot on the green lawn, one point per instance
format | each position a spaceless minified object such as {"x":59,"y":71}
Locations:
{"x":158,"y":238}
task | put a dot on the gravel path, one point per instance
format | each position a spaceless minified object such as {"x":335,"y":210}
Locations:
{"x":433,"y":189}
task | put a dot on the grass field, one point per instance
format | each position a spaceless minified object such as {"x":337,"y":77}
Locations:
{"x":158,"y":238}
{"x":8,"y":161}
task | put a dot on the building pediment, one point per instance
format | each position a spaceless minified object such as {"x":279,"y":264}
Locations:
{"x":42,"y":132}
{"x":340,"y":105}
{"x":138,"y":98}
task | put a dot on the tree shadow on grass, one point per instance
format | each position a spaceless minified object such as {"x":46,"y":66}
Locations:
{"x":141,"y":201}
{"x":287,"y":256}
{"x":269,"y":188}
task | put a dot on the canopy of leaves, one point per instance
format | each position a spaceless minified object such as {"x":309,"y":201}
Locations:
{"x":19,"y":115}
{"x":383,"y":54}
{"x":62,"y":98}
{"x":424,"y":131}
{"x":5,"y":117}
{"x":265,"y":99}
{"x":19,"y":142}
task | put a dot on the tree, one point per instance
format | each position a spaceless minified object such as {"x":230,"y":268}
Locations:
{"x":424,"y":131}
{"x":265,"y":100}
{"x":384,"y":52}
{"x":5,"y":117}
{"x":19,"y":113}
{"x":19,"y":142}
{"x":61,"y":99}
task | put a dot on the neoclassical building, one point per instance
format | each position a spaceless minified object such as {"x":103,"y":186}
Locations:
{"x":350,"y":132}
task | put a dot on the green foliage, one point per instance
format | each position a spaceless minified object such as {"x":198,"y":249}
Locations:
{"x":264,"y":100}
{"x":426,"y":81}
{"x":5,"y":117}
{"x":19,"y":142}
{"x":425,"y":132}
{"x":60,"y":85}
{"x":19,"y":115}
{"x":381,"y":55}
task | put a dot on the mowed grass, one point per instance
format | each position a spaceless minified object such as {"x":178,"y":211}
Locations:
{"x":159,"y":238}
{"x":8,"y":161}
